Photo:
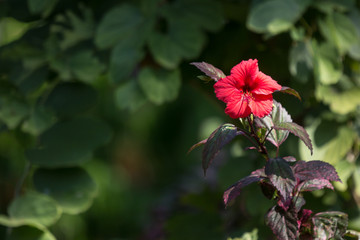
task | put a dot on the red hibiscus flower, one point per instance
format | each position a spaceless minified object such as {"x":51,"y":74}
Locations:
{"x":246,"y":91}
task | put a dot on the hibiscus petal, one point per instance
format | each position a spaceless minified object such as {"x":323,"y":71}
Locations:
{"x":261,"y":105}
{"x":264,"y":84}
{"x":225,"y":89}
{"x":245,"y":72}
{"x":238,"y":108}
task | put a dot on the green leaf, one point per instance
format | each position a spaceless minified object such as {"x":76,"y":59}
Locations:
{"x":345,"y":171}
{"x":328,"y":6}
{"x":159,"y":86}
{"x":12,"y":111}
{"x":35,"y":207}
{"x":298,"y":131}
{"x":216,"y":141}
{"x":354,"y":51}
{"x":124,"y":59}
{"x":340,"y":146}
{"x":123,"y":23}
{"x":26,"y":229}
{"x":301,"y":61}
{"x":327,"y":64}
{"x":328,"y":225}
{"x":339,"y":30}
{"x":204,"y":14}
{"x":184,"y":40}
{"x":72,"y":188}
{"x":129,"y":96}
{"x":43,"y":7}
{"x":356,"y":176}
{"x":277,"y":115}
{"x":69,"y":143}
{"x":340,"y":102}
{"x":275,"y":16}
{"x":40,"y":119}
{"x":79,"y":99}
{"x":253,"y":235}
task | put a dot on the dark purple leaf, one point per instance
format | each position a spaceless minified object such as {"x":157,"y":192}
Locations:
{"x":277,"y":115}
{"x":298,"y":202}
{"x":314,"y":184}
{"x":297,"y":130}
{"x":197,"y":145}
{"x":216,"y":141}
{"x":290,"y":91}
{"x":267,"y":189}
{"x":279,"y":167}
{"x":283,"y":223}
{"x":234,"y":191}
{"x":305,"y":171}
{"x":328,"y":225}
{"x":209,"y":70}
{"x":281,"y":176}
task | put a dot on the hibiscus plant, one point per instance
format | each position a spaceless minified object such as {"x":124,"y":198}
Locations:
{"x":247,"y":93}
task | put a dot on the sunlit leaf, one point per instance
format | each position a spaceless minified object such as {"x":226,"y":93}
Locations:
{"x":329,"y":225}
{"x":277,"y":115}
{"x":72,"y":188}
{"x":159,"y":86}
{"x":35,"y":207}
{"x":298,"y":131}
{"x":275,"y":16}
{"x":210,"y":71}
{"x":216,"y":141}
{"x":282,"y":223}
{"x":340,"y":146}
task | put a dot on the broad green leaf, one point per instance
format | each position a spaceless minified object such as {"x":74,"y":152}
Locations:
{"x":40,"y":119}
{"x":12,"y":111}
{"x":183,"y":40}
{"x":253,"y":235}
{"x":216,"y":141}
{"x":122,"y":23}
{"x":298,"y":131}
{"x":81,"y":28}
{"x":124,"y":60}
{"x":282,"y":223}
{"x":301,"y":61}
{"x":79,"y":99}
{"x":35,"y":207}
{"x":340,"y":102}
{"x":277,"y":115}
{"x":206,"y":14}
{"x":339,"y":30}
{"x":11,"y":30}
{"x":26,"y":229}
{"x":327,"y":64}
{"x":129,"y":96}
{"x":354,"y":16}
{"x":69,"y":143}
{"x":43,"y":7}
{"x":159,"y":86}
{"x":210,"y":71}
{"x":72,"y":188}
{"x":340,"y":146}
{"x":344,"y":170}
{"x":328,"y":6}
{"x":274,"y":16}
{"x":356,"y":176}
{"x":29,"y":81}
{"x":328,"y":225}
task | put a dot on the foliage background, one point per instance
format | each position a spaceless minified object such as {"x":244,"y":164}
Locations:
{"x":99,"y":105}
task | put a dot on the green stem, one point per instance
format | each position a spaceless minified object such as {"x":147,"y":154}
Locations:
{"x":261,"y":146}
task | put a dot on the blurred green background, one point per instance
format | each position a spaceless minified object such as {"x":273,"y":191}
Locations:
{"x":99,"y":106}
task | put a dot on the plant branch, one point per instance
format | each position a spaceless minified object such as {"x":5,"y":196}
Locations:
{"x":253,"y":134}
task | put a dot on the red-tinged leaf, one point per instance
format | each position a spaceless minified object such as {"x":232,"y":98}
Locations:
{"x":291,"y":92}
{"x":314,"y":184}
{"x":209,"y":70}
{"x":277,"y":115}
{"x":197,"y":145}
{"x":234,"y":191}
{"x":281,"y":176}
{"x":298,"y":202}
{"x":305,"y":171}
{"x":329,"y":225}
{"x":216,"y":141}
{"x":283,"y":223}
{"x":290,"y":159}
{"x":297,"y":130}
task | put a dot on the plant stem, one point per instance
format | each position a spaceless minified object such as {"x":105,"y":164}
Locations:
{"x":262,"y":149}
